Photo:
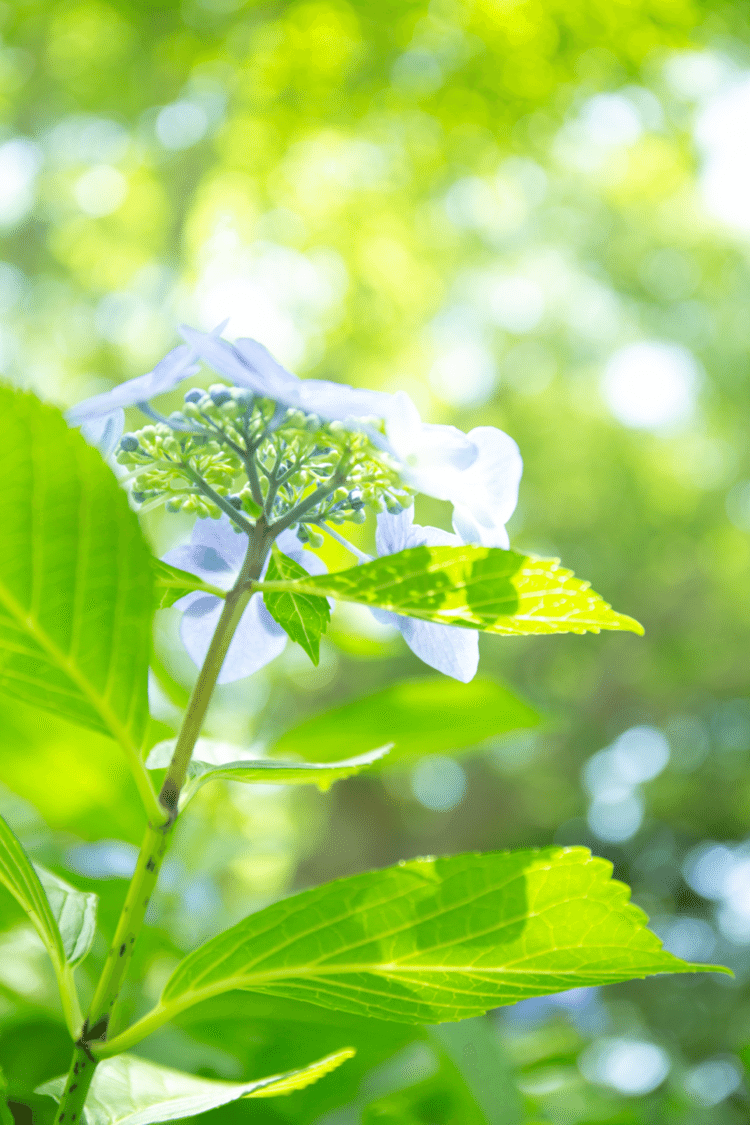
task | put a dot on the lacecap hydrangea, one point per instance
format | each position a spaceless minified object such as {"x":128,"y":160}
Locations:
{"x":297,"y":457}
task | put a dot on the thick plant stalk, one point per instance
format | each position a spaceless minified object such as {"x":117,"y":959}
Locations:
{"x":156,"y":840}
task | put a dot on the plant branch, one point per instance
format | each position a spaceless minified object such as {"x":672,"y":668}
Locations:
{"x":220,"y":501}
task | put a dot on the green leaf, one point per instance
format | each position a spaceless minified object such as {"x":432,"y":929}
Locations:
{"x":171,"y":584}
{"x":74,"y":912}
{"x":129,"y":1090}
{"x":475,"y":587}
{"x":261,"y":771}
{"x":476,"y":1050}
{"x":422,"y":716}
{"x":430,"y":940}
{"x":75,"y":581}
{"x":17,"y":874}
{"x":6,"y":1117}
{"x":303,"y":618}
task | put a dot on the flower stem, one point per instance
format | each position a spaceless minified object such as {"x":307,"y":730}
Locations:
{"x":99,"y":1022}
{"x":232,"y":610}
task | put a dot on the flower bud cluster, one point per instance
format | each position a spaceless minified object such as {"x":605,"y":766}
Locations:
{"x":263,"y":460}
{"x":164,"y":462}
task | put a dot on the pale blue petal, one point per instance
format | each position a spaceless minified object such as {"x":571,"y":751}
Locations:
{"x":257,"y":641}
{"x":448,"y":648}
{"x":221,"y":536}
{"x":248,"y":364}
{"x":289,"y":544}
{"x":205,"y":562}
{"x":215,"y":552}
{"x":178,"y":365}
{"x":105,"y":431}
{"x":263,"y":363}
{"x":338,"y":402}
{"x":227,"y":360}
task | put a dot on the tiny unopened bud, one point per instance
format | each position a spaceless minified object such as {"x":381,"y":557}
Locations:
{"x":219,"y":395}
{"x":303,"y":534}
{"x":194,"y":395}
{"x":242,"y":396}
{"x":235,"y":501}
{"x":359,"y":515}
{"x":129,"y":443}
{"x":394,"y":509}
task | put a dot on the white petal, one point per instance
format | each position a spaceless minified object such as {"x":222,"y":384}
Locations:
{"x":469,"y":530}
{"x":448,"y":648}
{"x":393,"y":532}
{"x":399,"y":532}
{"x":491,"y":484}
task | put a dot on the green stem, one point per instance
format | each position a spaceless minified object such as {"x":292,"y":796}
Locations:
{"x":232,"y":610}
{"x":100,"y":1019}
{"x":77,"y":1082}
{"x":229,"y":509}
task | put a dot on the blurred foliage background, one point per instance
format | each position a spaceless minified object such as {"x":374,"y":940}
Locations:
{"x":531,"y":215}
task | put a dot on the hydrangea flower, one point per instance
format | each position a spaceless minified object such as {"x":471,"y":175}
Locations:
{"x":478,"y":472}
{"x":448,"y":648}
{"x":215,"y":553}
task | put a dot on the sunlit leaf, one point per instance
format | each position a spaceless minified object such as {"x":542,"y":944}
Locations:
{"x":75,"y":580}
{"x":263,"y":771}
{"x":475,"y":587}
{"x":430,"y":940}
{"x":421,"y":716}
{"x":302,"y":617}
{"x":18,"y":876}
{"x":171,"y":584}
{"x":131,"y":1091}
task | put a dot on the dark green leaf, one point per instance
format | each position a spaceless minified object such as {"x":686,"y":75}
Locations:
{"x":303,"y":618}
{"x":476,"y":587}
{"x":421,"y":716}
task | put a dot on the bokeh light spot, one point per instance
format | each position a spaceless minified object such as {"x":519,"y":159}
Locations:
{"x":651,"y":385}
{"x":438,"y":782}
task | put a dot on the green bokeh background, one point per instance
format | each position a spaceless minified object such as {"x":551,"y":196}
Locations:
{"x":363,"y":187}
